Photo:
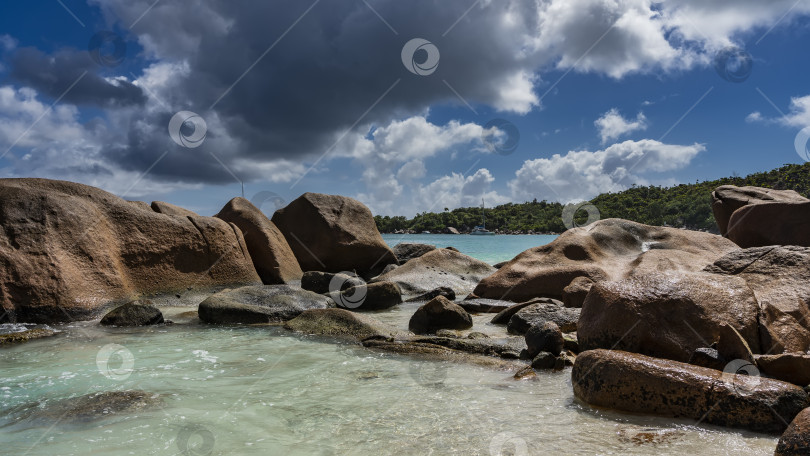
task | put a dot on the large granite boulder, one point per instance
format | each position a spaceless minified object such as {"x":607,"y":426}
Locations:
{"x":372,"y":296}
{"x":610,"y":249}
{"x":778,"y":278}
{"x":408,"y":251}
{"x":439,"y":313}
{"x":340,"y":323}
{"x":68,"y":251}
{"x":170,"y":209}
{"x":135,"y":313}
{"x":636,"y":383}
{"x":271,"y":254}
{"x":438,"y":268}
{"x":260,"y":304}
{"x":328,"y":282}
{"x":770,"y":224}
{"x":727,"y":199}
{"x":788,"y":367}
{"x":333,"y":233}
{"x":795,"y":441}
{"x":667,"y":315}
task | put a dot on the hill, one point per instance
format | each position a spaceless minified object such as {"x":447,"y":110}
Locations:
{"x":682,"y":206}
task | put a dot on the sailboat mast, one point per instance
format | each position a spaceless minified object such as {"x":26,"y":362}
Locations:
{"x":483,"y":215}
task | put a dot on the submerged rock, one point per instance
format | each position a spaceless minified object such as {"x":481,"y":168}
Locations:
{"x":90,"y":407}
{"x":333,"y":233}
{"x":438,"y":268}
{"x":26,"y":335}
{"x":260,"y":304}
{"x":406,"y":251}
{"x":640,"y":384}
{"x":69,"y":250}
{"x":271,"y":254}
{"x":135,"y":313}
{"x":340,"y":323}
{"x":795,"y":441}
{"x":610,"y":249}
{"x":439,"y":313}
{"x":483,"y":305}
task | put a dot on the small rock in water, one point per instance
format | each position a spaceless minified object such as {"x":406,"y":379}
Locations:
{"x":649,"y":436}
{"x":135,"y":313}
{"x":441,"y":291}
{"x":89,"y":407}
{"x":26,"y":335}
{"x":526,"y":372}
{"x":544,"y":360}
{"x":439,"y":313}
{"x":545,"y":337}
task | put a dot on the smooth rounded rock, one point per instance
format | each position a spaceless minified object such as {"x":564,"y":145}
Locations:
{"x":135,"y":313}
{"x":545,"y":337}
{"x":439,"y":313}
{"x":260,"y":304}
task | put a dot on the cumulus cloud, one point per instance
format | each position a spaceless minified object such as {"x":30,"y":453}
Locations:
{"x":580,"y":175}
{"x":612,"y":125}
{"x":798,"y":114}
{"x":456,"y":190}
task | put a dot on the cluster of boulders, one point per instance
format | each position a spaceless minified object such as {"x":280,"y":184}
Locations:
{"x":654,"y":319}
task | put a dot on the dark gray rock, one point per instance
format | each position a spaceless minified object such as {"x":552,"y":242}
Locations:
{"x":545,"y":337}
{"x":482,"y":305}
{"x":327,"y":282}
{"x":340,"y":323}
{"x":708,"y":357}
{"x":441,"y":291}
{"x":535,"y":314}
{"x":503,"y":316}
{"x":544,"y":360}
{"x":439,"y":313}
{"x":407,"y":251}
{"x":372,"y":296}
{"x":135,"y":313}
{"x":260,"y":304}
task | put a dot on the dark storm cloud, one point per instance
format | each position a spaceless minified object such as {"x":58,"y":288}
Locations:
{"x":54,"y":74}
{"x":319,"y":78}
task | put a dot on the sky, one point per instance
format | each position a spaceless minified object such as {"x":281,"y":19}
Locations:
{"x":407,"y":106}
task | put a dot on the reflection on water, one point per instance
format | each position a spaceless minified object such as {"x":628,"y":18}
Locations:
{"x":263,"y":390}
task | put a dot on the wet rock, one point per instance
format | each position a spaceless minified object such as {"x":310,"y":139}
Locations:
{"x":788,"y":367}
{"x":667,"y":315}
{"x":333,"y":233}
{"x":372,"y":296}
{"x":69,"y":250}
{"x":260,"y":304}
{"x":709,"y":358}
{"x":570,"y":343}
{"x":544,"y":360}
{"x":640,"y":384}
{"x":439,"y":313}
{"x":500,"y":347}
{"x":525,"y":373}
{"x":575,"y":292}
{"x":795,"y":441}
{"x":777,"y":276}
{"x":447,"y":333}
{"x":340,"y":323}
{"x":727,"y":199}
{"x":269,"y":250}
{"x":545,"y":337}
{"x":431,"y":352}
{"x":610,"y":249}
{"x":476,"y":335}
{"x":438,"y":268}
{"x":481,"y":305}
{"x":26,"y":335}
{"x":505,"y":315}
{"x":407,"y":251}
{"x":536,"y":314}
{"x":441,"y":291}
{"x":87,"y":408}
{"x":326,"y":282}
{"x":135,"y":313}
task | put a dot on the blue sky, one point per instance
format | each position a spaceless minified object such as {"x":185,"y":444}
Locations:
{"x":316,"y":96}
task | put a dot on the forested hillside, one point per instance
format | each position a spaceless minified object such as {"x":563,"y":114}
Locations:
{"x":685,"y":205}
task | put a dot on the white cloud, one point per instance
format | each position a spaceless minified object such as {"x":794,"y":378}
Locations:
{"x":580,"y":175}
{"x":798,"y":114}
{"x":456,"y":190}
{"x":755,"y":116}
{"x":612,"y":125}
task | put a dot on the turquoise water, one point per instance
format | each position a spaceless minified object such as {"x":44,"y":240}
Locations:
{"x":492,"y":249}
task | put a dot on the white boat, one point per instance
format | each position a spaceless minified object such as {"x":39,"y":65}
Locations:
{"x":481,"y":230}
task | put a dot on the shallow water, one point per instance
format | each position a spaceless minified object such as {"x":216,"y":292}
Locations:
{"x":491,"y":249}
{"x":263,"y":390}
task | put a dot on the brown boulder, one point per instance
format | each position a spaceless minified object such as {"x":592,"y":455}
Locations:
{"x":667,"y":315}
{"x":777,"y":275}
{"x":640,"y":384}
{"x":728,"y":198}
{"x":770,"y":224}
{"x":540,"y":313}
{"x":795,"y":441}
{"x":435,"y":269}
{"x":788,"y":367}
{"x":439,"y":313}
{"x":333,"y":233}
{"x":574,"y":294}
{"x":68,"y":250}
{"x":609,"y":249}
{"x":340,"y":323}
{"x":271,"y":254}
{"x":170,"y":209}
